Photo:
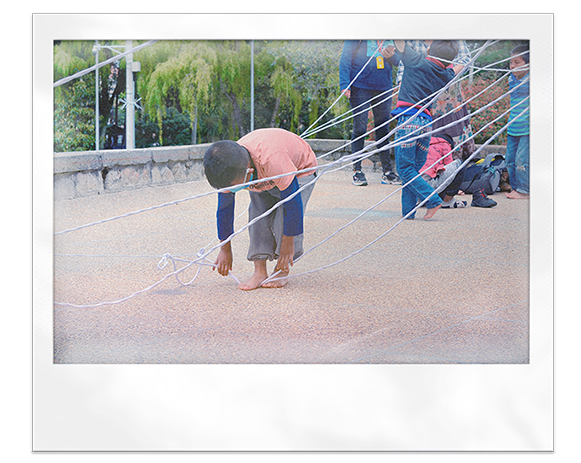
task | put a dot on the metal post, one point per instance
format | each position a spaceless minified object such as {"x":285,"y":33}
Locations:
{"x":251,"y":85}
{"x":130,"y":108}
{"x":96,"y":52}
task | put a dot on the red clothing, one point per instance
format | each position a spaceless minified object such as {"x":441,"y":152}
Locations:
{"x":275,"y":152}
{"x":438,"y":148}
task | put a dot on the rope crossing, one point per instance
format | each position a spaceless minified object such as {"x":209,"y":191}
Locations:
{"x":202,"y":256}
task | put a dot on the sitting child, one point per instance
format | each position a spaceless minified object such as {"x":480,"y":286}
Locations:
{"x":441,"y":171}
{"x":446,"y":177}
{"x":263,"y":153}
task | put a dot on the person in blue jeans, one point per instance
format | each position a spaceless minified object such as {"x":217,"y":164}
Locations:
{"x":517,"y":145}
{"x":424,"y":76}
{"x":370,"y":63}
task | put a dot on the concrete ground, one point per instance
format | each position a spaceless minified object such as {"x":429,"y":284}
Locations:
{"x":454,"y":289}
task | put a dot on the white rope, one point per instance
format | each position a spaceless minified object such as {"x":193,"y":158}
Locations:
{"x":348,"y":87}
{"x":202,"y":255}
{"x":505,"y":127}
{"x":478,"y":52}
{"x":433,"y":164}
{"x":430,"y":99}
{"x":343,"y":159}
{"x":354,"y":157}
{"x":357,"y":156}
{"x":352,"y":112}
{"x":440,"y":129}
{"x":489,"y":67}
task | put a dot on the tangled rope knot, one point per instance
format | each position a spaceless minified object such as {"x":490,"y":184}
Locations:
{"x":163,"y":261}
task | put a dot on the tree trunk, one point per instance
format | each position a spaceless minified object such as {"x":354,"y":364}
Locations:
{"x":195,"y":127}
{"x":236,"y":113}
{"x":275,"y":112}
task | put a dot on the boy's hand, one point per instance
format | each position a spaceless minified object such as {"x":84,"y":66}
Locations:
{"x":388,"y":51}
{"x":400,"y":45}
{"x":224,"y":260}
{"x":458,"y":69}
{"x":287,"y":251}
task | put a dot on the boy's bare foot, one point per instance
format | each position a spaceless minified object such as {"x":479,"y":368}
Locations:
{"x":260,"y":274}
{"x":430,"y":212}
{"x":253,"y":282}
{"x":516,"y":195}
{"x":279,"y":280}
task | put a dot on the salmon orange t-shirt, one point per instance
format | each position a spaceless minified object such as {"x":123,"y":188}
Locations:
{"x":276,"y":152}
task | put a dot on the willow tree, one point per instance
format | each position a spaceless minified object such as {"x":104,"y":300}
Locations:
{"x":313,"y":65}
{"x":187,"y":72}
{"x":233,"y":74}
{"x":283,"y":87}
{"x":304,"y":76}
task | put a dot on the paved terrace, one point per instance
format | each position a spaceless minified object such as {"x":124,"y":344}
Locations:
{"x":450,"y":290}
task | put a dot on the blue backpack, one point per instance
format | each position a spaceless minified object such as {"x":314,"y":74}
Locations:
{"x":484,"y":174}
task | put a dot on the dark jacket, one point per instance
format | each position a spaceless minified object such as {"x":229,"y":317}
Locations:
{"x":354,"y":57}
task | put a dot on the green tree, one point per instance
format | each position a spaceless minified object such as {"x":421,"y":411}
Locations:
{"x":233,"y":73}
{"x":187,"y":73}
{"x":314,"y":67}
{"x":74,"y":118}
{"x":74,"y":102}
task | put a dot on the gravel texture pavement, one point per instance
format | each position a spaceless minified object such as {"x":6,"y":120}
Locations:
{"x":454,"y":289}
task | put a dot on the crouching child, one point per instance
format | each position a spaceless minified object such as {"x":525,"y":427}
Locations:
{"x":234,"y":166}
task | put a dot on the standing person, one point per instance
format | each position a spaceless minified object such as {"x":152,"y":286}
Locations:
{"x":262,"y":154}
{"x":517,"y":145}
{"x":374,"y":80}
{"x":449,"y":106}
{"x":424,"y":76}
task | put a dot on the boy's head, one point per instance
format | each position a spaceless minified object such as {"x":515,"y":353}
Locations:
{"x":519,"y":60}
{"x":445,"y":50}
{"x":225,"y":163}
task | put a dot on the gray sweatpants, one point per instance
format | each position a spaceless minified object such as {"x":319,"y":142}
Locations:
{"x":266,"y":233}
{"x":444,"y":178}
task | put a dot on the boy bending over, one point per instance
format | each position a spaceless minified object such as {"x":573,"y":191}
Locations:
{"x":262,"y":153}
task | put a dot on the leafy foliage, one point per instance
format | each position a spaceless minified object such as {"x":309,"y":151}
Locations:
{"x":74,"y":118}
{"x":481,"y":119}
{"x":199,"y":91}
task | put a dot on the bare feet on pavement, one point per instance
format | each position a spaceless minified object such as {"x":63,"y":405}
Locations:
{"x":430,"y":212}
{"x":516,"y":195}
{"x":260,"y":274}
{"x":279,"y":280}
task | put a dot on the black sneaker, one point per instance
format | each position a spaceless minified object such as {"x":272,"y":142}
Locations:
{"x":479,"y":199}
{"x":389,"y":178}
{"x":359,"y":178}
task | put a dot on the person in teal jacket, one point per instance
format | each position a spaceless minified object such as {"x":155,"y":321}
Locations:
{"x":517,"y":145}
{"x":365,"y":75}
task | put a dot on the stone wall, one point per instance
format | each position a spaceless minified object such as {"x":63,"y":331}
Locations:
{"x":87,"y":173}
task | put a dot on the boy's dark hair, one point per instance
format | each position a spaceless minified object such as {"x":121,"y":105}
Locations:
{"x":446,"y":50}
{"x":224,"y":162}
{"x":523,"y":51}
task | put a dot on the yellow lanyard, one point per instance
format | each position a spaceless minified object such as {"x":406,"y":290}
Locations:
{"x":379,"y":59}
